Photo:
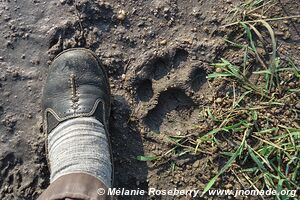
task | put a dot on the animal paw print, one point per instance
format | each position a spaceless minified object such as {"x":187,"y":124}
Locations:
{"x":165,"y":85}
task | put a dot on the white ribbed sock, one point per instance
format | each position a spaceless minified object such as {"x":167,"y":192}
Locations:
{"x":80,"y":145}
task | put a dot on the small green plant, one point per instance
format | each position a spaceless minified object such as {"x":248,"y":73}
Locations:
{"x":271,"y":148}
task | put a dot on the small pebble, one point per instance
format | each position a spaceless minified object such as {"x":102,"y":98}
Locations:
{"x":121,"y":15}
{"x":163,"y":42}
{"x":196,"y":164}
{"x":219,"y":100}
{"x":287,"y":35}
{"x":123,"y":76}
{"x":228,"y":186}
{"x":218,"y":70}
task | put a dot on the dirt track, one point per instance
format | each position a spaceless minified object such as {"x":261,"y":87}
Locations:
{"x":157,"y":55}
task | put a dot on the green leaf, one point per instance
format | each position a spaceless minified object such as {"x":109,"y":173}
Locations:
{"x":226,"y":166}
{"x":218,"y":74}
{"x":249,"y":35}
{"x":279,"y":189}
{"x":147,"y":158}
{"x":256,"y":160}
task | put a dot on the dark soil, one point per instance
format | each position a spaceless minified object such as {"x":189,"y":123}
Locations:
{"x":157,"y":56}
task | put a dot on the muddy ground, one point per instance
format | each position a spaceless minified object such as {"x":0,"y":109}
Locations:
{"x":157,"y":54}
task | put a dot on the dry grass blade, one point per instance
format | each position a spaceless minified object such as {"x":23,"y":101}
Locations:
{"x":252,"y":185}
{"x":258,"y":7}
{"x":267,"y":20}
{"x":274,"y":49}
{"x":261,"y":39}
{"x":267,"y":142}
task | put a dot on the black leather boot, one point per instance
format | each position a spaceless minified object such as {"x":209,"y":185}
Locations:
{"x":77,"y":86}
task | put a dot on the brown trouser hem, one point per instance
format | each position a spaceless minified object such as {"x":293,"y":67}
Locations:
{"x":76,"y":186}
